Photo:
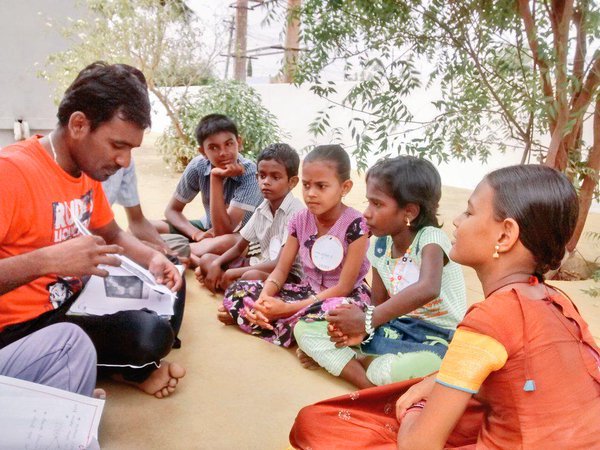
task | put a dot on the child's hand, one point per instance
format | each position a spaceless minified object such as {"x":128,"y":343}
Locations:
{"x":234,"y":169}
{"x":348,"y":319}
{"x":256,"y":316}
{"x":201,"y":235}
{"x":343,"y":340}
{"x":272,"y":308}
{"x":212,"y":279}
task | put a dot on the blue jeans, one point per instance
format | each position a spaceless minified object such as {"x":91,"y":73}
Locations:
{"x":407,"y":335}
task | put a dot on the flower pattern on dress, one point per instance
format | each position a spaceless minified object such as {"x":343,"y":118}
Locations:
{"x":388,"y":408}
{"x":344,"y":414}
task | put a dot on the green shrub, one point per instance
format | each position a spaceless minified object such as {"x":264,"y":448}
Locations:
{"x":257,"y":126}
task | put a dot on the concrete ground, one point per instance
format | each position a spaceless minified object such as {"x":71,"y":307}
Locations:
{"x":241,"y":392}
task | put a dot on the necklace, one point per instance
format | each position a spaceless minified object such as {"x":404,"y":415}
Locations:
{"x":531,"y":280}
{"x":52,"y":146}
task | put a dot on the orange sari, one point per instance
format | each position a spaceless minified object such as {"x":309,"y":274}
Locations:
{"x":547,"y":342}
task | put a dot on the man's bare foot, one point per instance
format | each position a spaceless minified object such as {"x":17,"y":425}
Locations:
{"x":224,"y":317}
{"x":163,"y":381}
{"x":99,"y":393}
{"x":306,"y":361}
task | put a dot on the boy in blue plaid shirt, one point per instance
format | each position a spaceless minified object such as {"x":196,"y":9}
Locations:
{"x":227,"y":183}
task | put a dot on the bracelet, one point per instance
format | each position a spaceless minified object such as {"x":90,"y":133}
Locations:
{"x":275,"y":282}
{"x":415,"y":407}
{"x":314,"y":298}
{"x":369,"y":324}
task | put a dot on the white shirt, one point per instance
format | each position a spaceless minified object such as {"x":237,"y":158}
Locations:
{"x":264,"y":227}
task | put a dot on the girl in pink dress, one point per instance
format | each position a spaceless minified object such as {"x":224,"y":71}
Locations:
{"x":331,"y":240}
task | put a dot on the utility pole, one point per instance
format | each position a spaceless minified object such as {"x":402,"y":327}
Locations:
{"x":241,"y":28}
{"x":292,"y":40}
{"x":231,"y":26}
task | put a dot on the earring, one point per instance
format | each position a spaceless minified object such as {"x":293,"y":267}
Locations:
{"x":407,"y":222}
{"x":495,"y":255}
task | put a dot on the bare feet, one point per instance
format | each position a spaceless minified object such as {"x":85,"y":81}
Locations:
{"x":306,"y":361}
{"x":99,"y":393}
{"x":199,"y":275}
{"x":224,"y":317}
{"x":163,"y":381}
{"x":194,"y":261}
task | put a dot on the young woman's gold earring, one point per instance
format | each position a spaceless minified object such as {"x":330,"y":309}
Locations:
{"x":495,"y":255}
{"x":407,"y":222}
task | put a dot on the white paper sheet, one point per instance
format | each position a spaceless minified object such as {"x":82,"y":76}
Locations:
{"x":33,"y":416}
{"x":121,"y":291}
{"x":129,"y":265}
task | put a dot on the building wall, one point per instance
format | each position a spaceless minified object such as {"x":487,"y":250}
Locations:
{"x":26,"y":41}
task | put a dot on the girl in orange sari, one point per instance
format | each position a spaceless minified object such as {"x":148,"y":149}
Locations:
{"x":522,"y":370}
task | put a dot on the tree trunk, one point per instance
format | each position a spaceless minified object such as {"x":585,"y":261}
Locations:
{"x":172,"y":115}
{"x":292,"y":40}
{"x":241,"y":30}
{"x":586,"y":193}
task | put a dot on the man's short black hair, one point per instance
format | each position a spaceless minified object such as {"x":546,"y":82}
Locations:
{"x":102,"y":90}
{"x":284,"y":155}
{"x":213,"y":124}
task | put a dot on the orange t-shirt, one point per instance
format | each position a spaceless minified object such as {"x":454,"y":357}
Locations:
{"x":36,"y":200}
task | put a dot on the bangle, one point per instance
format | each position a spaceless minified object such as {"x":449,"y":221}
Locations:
{"x":369,"y":324}
{"x":314,"y":298}
{"x":415,"y":407}
{"x":275,"y":282}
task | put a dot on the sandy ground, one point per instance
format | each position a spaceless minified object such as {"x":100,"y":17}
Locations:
{"x":241,"y":392}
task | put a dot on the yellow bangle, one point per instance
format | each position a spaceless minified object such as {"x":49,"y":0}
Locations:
{"x":275,"y":282}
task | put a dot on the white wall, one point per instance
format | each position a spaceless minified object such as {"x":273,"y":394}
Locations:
{"x":26,"y":41}
{"x":296,"y":107}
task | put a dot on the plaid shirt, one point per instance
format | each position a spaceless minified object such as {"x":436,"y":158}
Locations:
{"x":242,"y":191}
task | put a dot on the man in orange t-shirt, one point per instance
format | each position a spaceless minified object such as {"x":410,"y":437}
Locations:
{"x":45,"y":182}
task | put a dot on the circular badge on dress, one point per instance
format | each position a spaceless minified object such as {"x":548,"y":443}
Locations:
{"x":274,"y":248}
{"x":327,"y":253}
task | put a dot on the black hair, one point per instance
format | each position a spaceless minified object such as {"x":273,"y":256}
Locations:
{"x":102,"y":90}
{"x":409,"y":179}
{"x":335,"y":154}
{"x":284,"y":155}
{"x":543,"y":203}
{"x":213,"y":124}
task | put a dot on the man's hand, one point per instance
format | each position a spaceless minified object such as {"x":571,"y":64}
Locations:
{"x":165,"y":272}
{"x":82,"y":255}
{"x":348,"y":319}
{"x":235,"y":169}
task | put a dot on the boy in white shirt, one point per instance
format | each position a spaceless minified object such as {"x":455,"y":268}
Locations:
{"x":277,"y":175}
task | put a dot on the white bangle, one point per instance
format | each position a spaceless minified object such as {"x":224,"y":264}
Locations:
{"x":314,"y":298}
{"x":369,"y":324}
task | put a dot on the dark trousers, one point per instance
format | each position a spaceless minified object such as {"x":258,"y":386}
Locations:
{"x":130,"y":343}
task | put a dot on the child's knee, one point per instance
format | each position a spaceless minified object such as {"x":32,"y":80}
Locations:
{"x":253,"y":275}
{"x":392,"y":368}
